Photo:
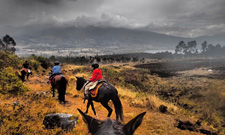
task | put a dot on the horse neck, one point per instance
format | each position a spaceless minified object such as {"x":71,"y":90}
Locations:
{"x":84,"y":81}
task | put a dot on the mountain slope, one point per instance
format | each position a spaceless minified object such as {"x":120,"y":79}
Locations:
{"x":107,"y":38}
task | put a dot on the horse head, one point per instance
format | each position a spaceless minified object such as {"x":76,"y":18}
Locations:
{"x":111,"y":127}
{"x":80,"y":83}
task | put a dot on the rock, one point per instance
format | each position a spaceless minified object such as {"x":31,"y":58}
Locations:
{"x":186,"y":125}
{"x":16,"y":103}
{"x":207,"y":132}
{"x":196,"y":127}
{"x":60,"y":120}
{"x":163,"y":108}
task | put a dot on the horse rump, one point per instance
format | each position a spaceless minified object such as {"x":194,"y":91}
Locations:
{"x":62,"y":89}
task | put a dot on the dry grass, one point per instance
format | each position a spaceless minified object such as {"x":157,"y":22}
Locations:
{"x":29,"y":119}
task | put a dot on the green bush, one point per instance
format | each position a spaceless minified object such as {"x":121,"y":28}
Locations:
{"x":35,"y":64}
{"x":44,"y":62}
{"x":10,"y":82}
{"x":8,"y":60}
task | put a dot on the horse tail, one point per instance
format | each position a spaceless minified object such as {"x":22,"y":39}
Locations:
{"x":118,"y":106}
{"x":63,"y":82}
{"x":62,"y":88}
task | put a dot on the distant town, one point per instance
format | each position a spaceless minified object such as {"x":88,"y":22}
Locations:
{"x":47,"y":51}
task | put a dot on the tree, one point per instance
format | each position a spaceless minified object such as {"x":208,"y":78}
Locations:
{"x":2,"y":45}
{"x":191,"y":46}
{"x":8,"y":44}
{"x":204,"y":46}
{"x":181,"y":47}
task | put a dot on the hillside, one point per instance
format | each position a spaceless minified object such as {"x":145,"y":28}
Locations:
{"x":106,"y":39}
{"x":27,"y":117}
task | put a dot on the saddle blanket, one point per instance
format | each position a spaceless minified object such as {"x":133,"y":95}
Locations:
{"x":24,"y":69}
{"x":94,"y":92}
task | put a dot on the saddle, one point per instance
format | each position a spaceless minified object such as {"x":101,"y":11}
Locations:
{"x":95,"y":87}
{"x":24,"y":69}
{"x":51,"y":78}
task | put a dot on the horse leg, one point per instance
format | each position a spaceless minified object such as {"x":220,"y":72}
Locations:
{"x":23,"y":78}
{"x":61,"y":96}
{"x":105,"y":104}
{"x":53,"y":91}
{"x":88,"y":105}
{"x":28,"y":75}
{"x":93,"y":108}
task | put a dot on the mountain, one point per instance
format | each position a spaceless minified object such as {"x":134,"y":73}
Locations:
{"x":216,"y":39}
{"x":108,"y":38}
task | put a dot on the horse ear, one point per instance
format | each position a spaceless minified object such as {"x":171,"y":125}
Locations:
{"x":76,"y":77}
{"x":92,"y":123}
{"x":132,"y":125}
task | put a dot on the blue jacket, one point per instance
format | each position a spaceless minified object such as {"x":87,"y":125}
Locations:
{"x":56,"y":69}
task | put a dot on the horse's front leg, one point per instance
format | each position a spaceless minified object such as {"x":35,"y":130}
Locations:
{"x":93,"y":108}
{"x":88,"y":104}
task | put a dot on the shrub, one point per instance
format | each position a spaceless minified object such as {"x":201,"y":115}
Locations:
{"x":45,"y":62}
{"x":35,"y":64}
{"x":8,"y":60}
{"x":10,"y":83}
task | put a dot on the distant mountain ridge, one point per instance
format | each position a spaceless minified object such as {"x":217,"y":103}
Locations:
{"x":92,"y":37}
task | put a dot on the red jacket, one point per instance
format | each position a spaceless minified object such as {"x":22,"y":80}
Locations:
{"x":97,"y":75}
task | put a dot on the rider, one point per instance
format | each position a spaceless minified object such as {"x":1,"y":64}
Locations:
{"x":97,"y":75}
{"x":26,"y":65}
{"x":56,"y":70}
{"x":27,"y":68}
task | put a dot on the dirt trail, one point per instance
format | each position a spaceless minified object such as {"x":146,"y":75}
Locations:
{"x":154,"y":123}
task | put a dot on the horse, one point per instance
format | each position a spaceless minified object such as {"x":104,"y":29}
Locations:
{"x":106,"y":92}
{"x":59,"y":82}
{"x":111,"y":127}
{"x":25,"y":72}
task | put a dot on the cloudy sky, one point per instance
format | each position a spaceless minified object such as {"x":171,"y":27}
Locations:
{"x":186,"y":18}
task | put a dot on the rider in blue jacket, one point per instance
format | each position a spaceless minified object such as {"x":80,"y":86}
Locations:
{"x":56,"y":70}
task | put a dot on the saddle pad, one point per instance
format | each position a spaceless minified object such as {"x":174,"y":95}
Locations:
{"x":50,"y":80}
{"x":24,"y":69}
{"x":94,"y":92}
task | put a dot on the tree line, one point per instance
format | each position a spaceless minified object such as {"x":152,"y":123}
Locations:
{"x":191,"y":49}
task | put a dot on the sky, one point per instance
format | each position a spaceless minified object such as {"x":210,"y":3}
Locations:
{"x":184,"y":18}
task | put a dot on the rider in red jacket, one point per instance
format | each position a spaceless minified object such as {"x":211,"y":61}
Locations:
{"x":97,"y":75}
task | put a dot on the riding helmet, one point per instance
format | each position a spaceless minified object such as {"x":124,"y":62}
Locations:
{"x":57,"y":62}
{"x":95,"y":65}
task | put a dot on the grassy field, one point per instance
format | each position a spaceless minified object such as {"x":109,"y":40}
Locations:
{"x":187,"y":97}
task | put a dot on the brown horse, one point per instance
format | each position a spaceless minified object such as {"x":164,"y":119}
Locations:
{"x":59,"y":82}
{"x":23,"y":72}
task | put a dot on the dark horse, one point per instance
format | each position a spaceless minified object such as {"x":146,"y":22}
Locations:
{"x":111,"y":127}
{"x":24,"y":72}
{"x":59,"y":82}
{"x":106,"y":92}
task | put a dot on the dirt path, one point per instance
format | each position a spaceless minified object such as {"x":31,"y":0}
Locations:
{"x":154,"y":123}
